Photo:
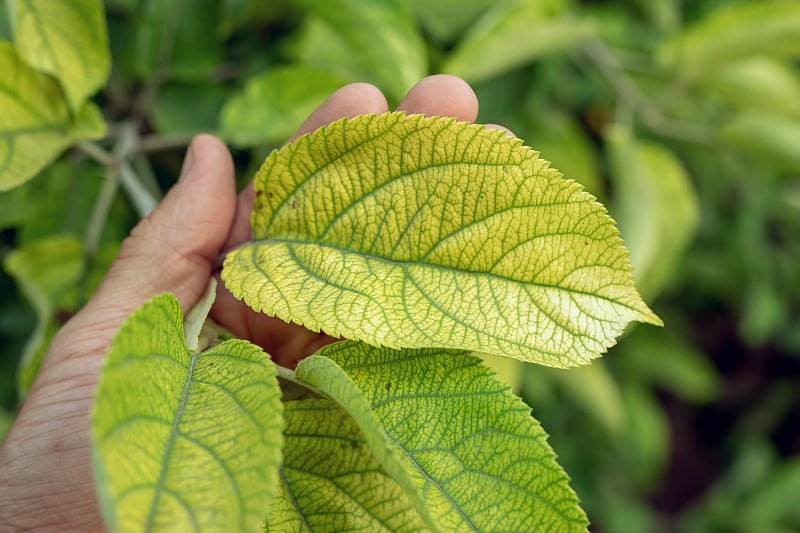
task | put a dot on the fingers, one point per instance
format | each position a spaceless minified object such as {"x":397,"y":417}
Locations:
{"x":442,"y":95}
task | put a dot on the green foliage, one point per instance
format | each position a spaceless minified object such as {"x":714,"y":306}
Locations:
{"x":681,"y":116}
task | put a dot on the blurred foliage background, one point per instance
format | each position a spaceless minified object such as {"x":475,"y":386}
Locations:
{"x":683,"y":117}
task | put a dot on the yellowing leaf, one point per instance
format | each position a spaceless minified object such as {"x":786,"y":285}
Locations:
{"x":35,"y":124}
{"x":406,"y":231}
{"x":330,"y":481}
{"x":66,"y":39}
{"x":184,"y":441}
{"x":488,"y":468}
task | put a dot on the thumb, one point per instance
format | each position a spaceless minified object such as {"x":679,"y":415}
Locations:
{"x":173,"y":249}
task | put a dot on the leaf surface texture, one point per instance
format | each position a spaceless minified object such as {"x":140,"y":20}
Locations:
{"x":406,"y":231}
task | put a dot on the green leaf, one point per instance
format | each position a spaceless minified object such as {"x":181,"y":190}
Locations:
{"x":406,"y":231}
{"x":655,"y":204}
{"x":770,"y":136}
{"x":732,"y":33}
{"x":473,"y":456}
{"x":759,"y":83}
{"x":67,"y":40}
{"x":514,"y":33}
{"x":381,"y":36}
{"x":330,"y":481}
{"x":182,"y":441}
{"x":274,"y":104}
{"x":35,"y":125}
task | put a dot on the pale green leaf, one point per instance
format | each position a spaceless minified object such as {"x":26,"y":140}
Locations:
{"x":512,"y":34}
{"x":759,"y":82}
{"x":274,"y":104}
{"x":52,"y":274}
{"x":381,"y":36}
{"x":182,"y":441}
{"x":487,"y":469}
{"x":35,"y":125}
{"x":732,"y":33}
{"x":67,"y":40}
{"x":655,"y":205}
{"x":330,"y":481}
{"x":771,"y":136}
{"x":407,"y":231}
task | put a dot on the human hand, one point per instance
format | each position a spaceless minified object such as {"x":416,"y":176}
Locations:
{"x":46,"y":480}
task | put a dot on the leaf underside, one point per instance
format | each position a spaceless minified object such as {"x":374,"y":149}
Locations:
{"x":465,"y":450}
{"x":183,"y":441}
{"x":407,"y":231}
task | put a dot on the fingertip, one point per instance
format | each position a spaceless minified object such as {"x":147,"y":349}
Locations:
{"x":442,"y":95}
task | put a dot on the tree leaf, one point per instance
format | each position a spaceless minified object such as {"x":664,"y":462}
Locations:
{"x":382,"y":36}
{"x":772,"y":137}
{"x":184,"y":442}
{"x":35,"y":125}
{"x":734,"y":32}
{"x":408,"y":231}
{"x":67,"y":40}
{"x":656,"y":207}
{"x":274,"y":104}
{"x":330,"y":481}
{"x":476,"y":459}
{"x":512,"y":34}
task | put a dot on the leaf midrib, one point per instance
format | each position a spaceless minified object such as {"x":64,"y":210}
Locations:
{"x":170,"y":444}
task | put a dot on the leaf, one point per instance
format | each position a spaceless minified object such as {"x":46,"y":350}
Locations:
{"x":67,"y":40}
{"x":407,"y":231}
{"x":474,"y":456}
{"x":381,"y":36}
{"x":655,"y":204}
{"x":52,"y":274}
{"x":759,"y":83}
{"x":274,"y":104}
{"x":732,"y":33}
{"x":330,"y":481}
{"x":772,"y":137}
{"x":514,"y":33}
{"x":35,"y":125}
{"x":182,"y":441}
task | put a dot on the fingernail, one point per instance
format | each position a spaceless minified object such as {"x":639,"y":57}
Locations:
{"x":188,"y":160}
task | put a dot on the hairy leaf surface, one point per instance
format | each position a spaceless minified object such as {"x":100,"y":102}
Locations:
{"x":35,"y":124}
{"x":184,"y":441}
{"x":406,"y":231}
{"x":66,"y":39}
{"x":472,"y":457}
{"x":330,"y":481}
